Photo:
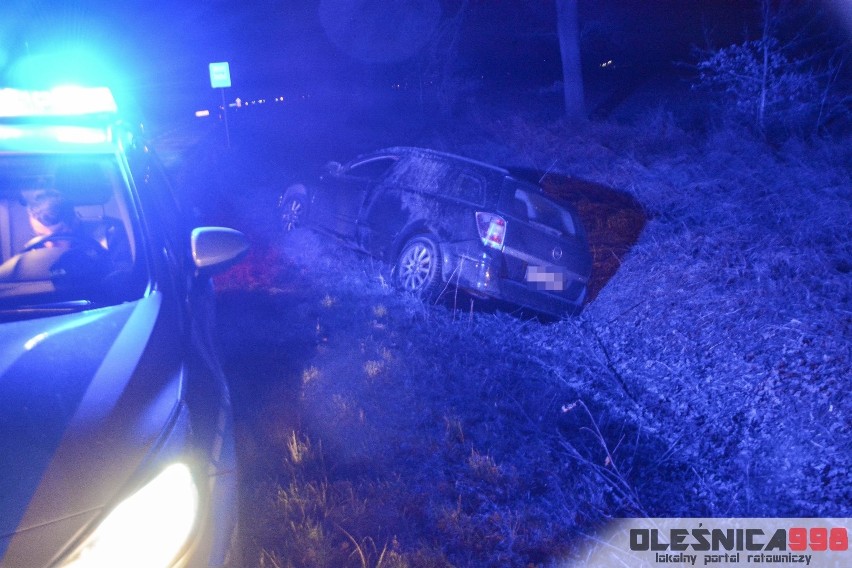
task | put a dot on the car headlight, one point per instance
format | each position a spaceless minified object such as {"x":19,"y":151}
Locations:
{"x":148,"y":529}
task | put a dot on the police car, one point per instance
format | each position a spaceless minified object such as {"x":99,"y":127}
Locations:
{"x":115,"y":428}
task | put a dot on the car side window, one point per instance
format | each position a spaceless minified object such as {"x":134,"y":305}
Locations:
{"x":468,"y":187}
{"x":372,"y":169}
{"x":421,"y":174}
{"x":152,"y":182}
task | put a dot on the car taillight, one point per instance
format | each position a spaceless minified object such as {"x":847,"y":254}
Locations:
{"x":492,"y":229}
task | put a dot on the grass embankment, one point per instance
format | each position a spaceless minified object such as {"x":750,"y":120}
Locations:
{"x":708,"y":377}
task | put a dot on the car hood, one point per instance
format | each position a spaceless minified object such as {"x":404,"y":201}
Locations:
{"x":83,"y":397}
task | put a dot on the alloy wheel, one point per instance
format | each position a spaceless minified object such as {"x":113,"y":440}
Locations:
{"x":417,"y":266}
{"x":291,"y":213}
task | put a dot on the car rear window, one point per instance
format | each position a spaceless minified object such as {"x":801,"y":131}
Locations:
{"x":537,"y":209}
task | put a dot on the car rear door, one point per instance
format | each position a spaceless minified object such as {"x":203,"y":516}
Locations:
{"x":336,"y":206}
{"x":545,"y":246}
{"x":407,"y":196}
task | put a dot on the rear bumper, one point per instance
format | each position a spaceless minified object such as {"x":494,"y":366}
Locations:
{"x":480,"y":271}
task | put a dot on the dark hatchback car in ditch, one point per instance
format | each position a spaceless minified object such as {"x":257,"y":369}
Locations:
{"x":443,"y":221}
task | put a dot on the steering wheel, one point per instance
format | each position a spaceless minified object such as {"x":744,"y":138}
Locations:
{"x":75,"y":241}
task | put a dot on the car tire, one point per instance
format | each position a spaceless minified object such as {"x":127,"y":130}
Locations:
{"x":418,"y":267}
{"x":293,"y":207}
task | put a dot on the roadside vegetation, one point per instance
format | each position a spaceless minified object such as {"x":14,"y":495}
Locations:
{"x":708,"y":376}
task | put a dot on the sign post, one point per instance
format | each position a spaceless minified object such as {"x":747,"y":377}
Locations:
{"x":220,"y":78}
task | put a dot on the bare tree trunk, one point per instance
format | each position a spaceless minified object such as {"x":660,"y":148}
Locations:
{"x":569,"y":47}
{"x":438,"y":62}
{"x":761,"y":109}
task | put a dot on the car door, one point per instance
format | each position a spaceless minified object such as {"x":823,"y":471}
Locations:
{"x":337,"y":206}
{"x":410,"y":195}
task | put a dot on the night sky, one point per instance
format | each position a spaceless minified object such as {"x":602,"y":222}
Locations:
{"x":283,"y":46}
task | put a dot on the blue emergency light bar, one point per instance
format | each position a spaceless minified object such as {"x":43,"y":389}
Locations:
{"x":59,"y":101}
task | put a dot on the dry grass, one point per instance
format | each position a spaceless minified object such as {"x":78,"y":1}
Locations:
{"x":707,"y":378}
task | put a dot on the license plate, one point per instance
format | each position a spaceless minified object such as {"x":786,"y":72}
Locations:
{"x":546,"y":278}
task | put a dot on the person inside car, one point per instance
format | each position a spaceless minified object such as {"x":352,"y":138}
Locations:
{"x":56,"y":225}
{"x":53,"y":220}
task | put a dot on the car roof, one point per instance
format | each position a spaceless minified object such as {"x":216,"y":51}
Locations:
{"x":427,"y":152}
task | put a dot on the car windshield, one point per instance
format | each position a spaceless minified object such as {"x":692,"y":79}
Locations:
{"x":67,"y":238}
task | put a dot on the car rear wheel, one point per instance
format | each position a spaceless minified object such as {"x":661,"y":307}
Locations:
{"x":293,"y":207}
{"x":418,"y":267}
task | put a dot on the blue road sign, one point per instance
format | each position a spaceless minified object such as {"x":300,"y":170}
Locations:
{"x":220,"y":75}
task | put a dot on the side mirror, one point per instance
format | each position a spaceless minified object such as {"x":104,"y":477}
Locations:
{"x":216,"y":248}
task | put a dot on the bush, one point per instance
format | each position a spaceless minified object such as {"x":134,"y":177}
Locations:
{"x":780,"y":86}
{"x":763,"y":85}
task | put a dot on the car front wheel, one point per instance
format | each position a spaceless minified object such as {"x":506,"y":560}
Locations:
{"x":418,"y":267}
{"x":293,"y":207}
